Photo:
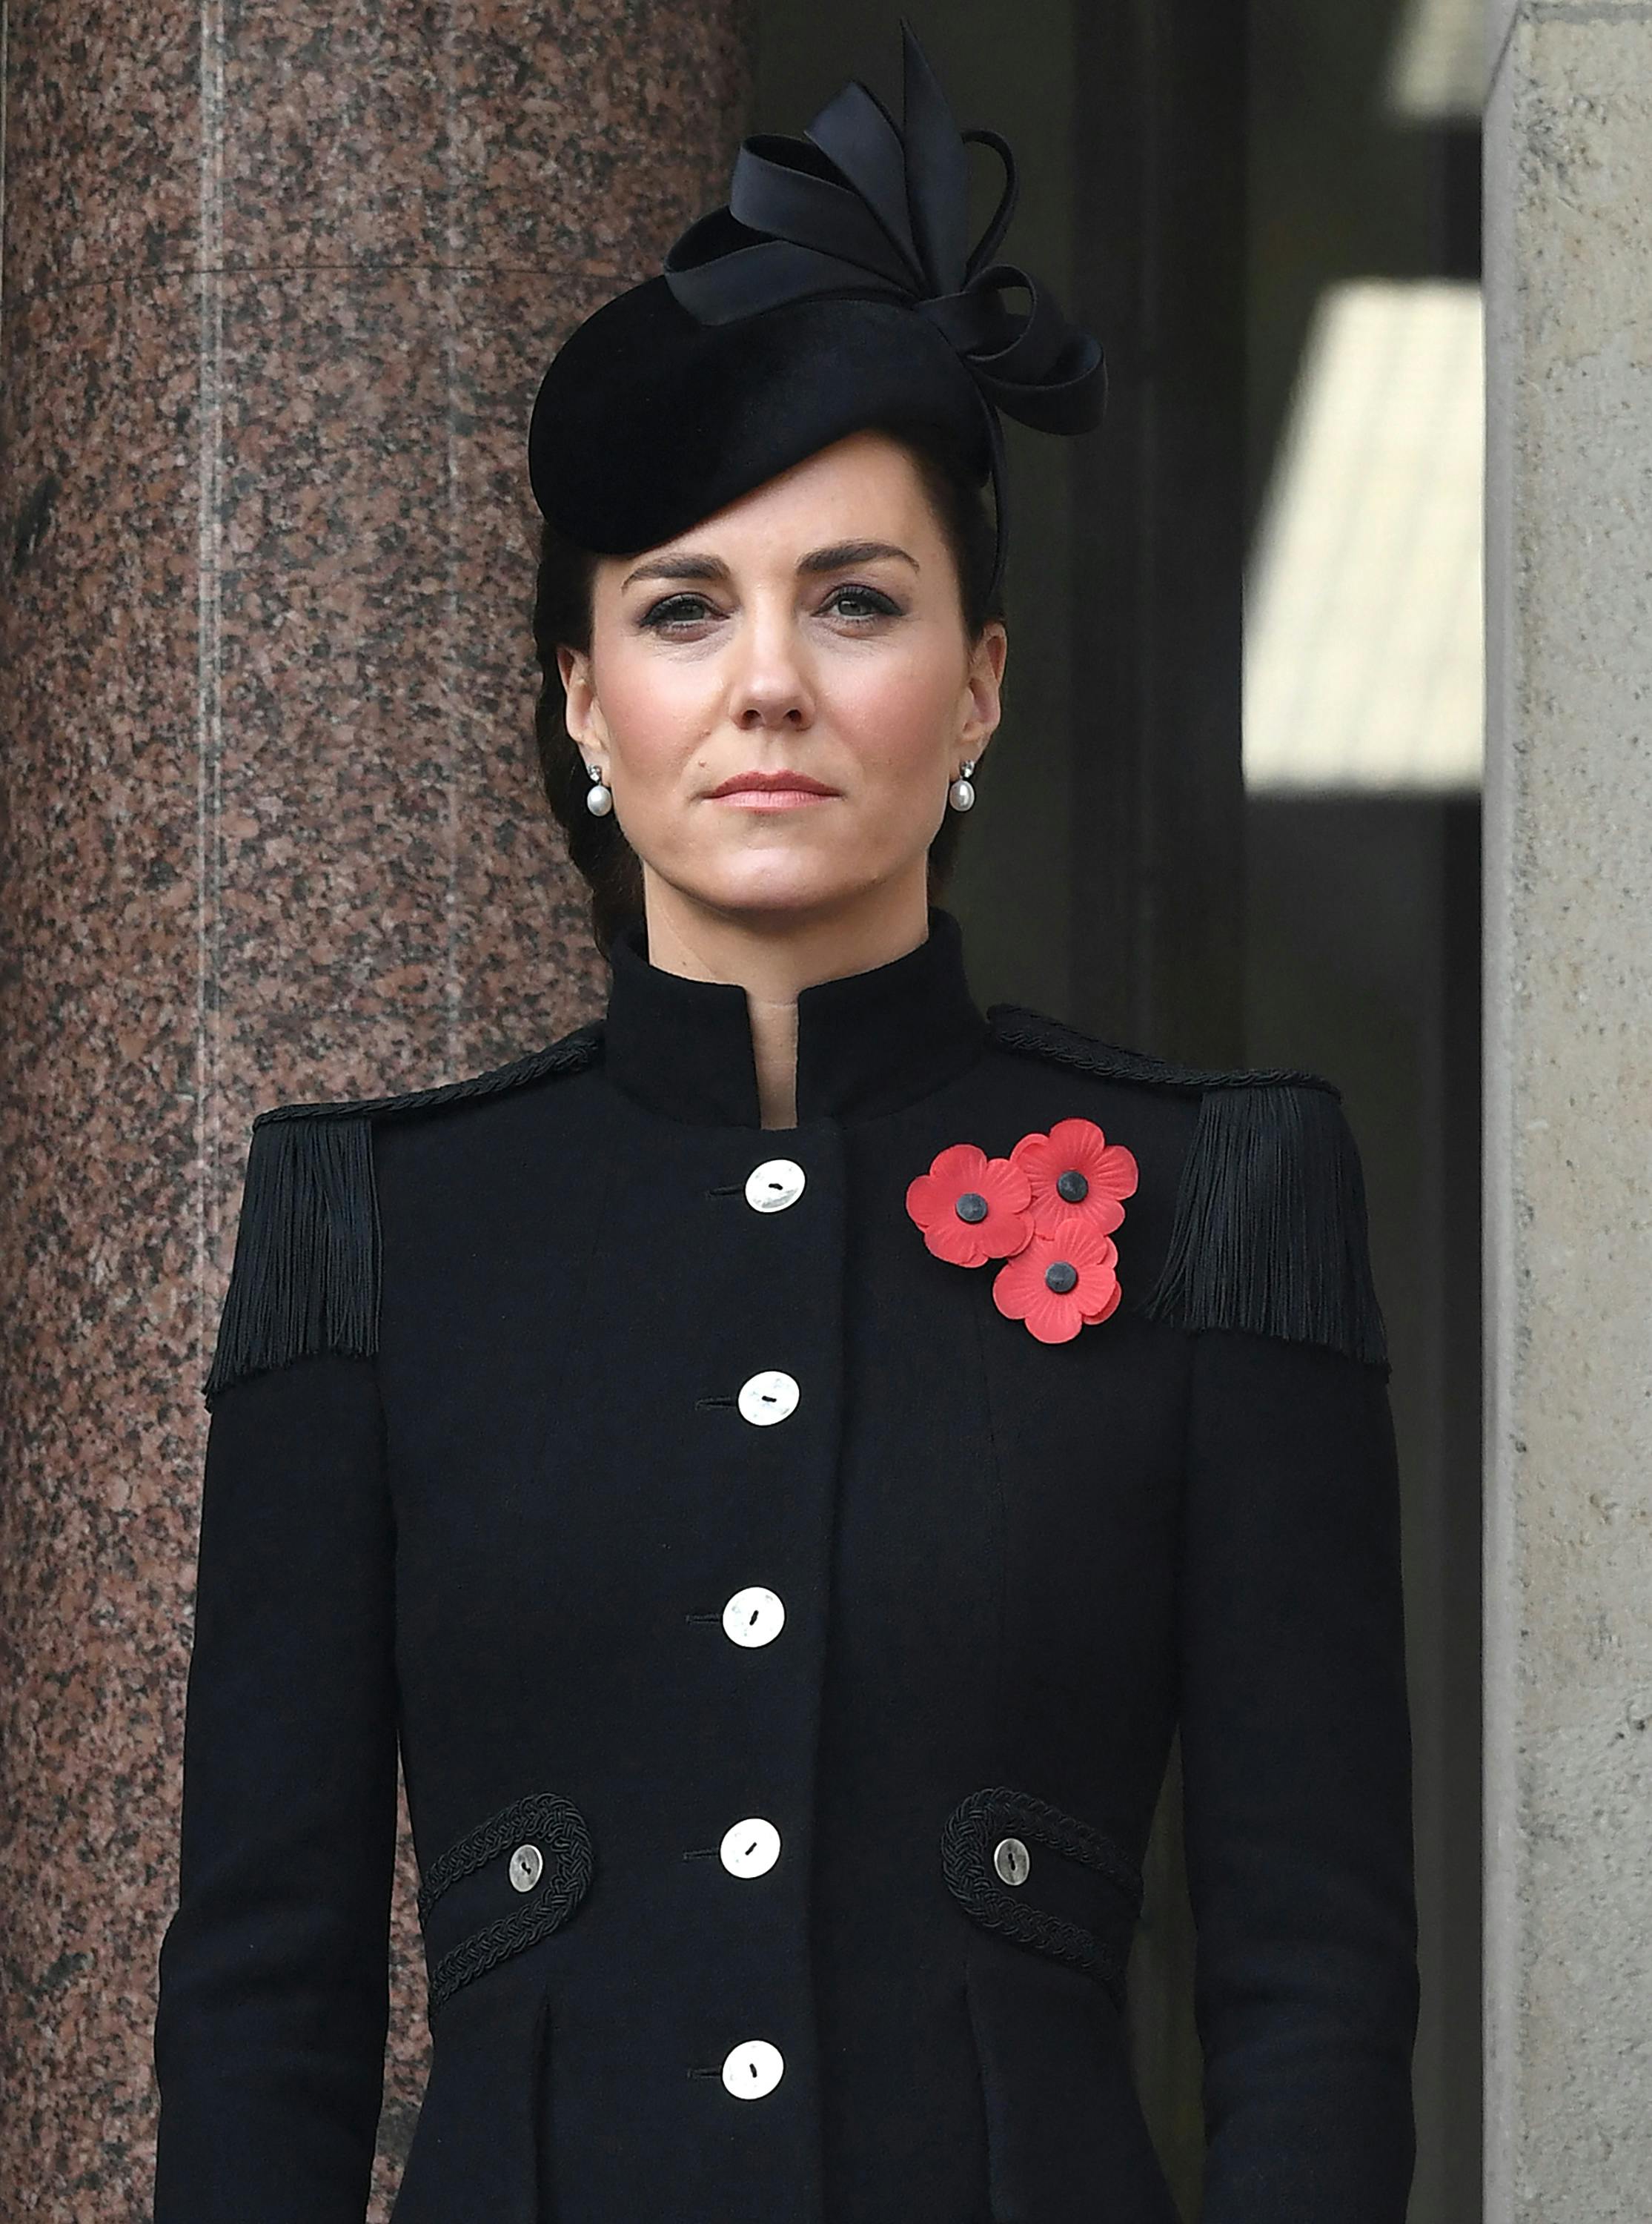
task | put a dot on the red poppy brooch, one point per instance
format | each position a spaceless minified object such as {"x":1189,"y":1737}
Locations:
{"x":1048,"y":1211}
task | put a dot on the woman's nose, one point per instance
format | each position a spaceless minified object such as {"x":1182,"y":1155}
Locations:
{"x":770,"y":685}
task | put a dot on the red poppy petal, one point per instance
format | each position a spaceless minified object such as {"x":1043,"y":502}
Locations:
{"x":956,"y":1242}
{"x":1005,"y":1183}
{"x":1097,"y":1281}
{"x":1016,"y":1286}
{"x":1006,"y":1234}
{"x":1117,"y":1172}
{"x":1105,"y":1312}
{"x":1098,"y":1212}
{"x":924,"y":1198}
{"x":1068,"y":1234}
{"x":961,"y":1165}
{"x":1079,"y":1145}
{"x":1032,"y":1150}
{"x":1056,"y":1321}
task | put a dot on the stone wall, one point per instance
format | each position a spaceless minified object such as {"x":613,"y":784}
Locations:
{"x":279,"y":285}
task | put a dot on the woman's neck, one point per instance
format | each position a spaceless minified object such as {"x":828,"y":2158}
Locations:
{"x":774,"y":956}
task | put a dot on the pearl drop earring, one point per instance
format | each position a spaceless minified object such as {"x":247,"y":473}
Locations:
{"x":599,"y":796}
{"x":961,"y":793}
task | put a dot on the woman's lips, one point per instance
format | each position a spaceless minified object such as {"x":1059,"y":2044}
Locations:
{"x":772,"y":791}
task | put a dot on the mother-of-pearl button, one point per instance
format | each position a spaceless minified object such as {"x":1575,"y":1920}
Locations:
{"x":769,"y":1397}
{"x":753,"y":2068}
{"x":1012,"y":1860}
{"x":753,"y":1616}
{"x":526,"y":1867}
{"x":750,"y":1848}
{"x":774,"y":1184}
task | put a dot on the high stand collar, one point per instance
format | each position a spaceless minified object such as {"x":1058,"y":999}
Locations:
{"x":867,"y":1043}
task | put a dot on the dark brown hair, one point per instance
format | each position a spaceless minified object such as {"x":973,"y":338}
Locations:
{"x":562,"y":618}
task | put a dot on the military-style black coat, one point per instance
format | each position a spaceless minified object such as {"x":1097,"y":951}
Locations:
{"x":784,"y":1644}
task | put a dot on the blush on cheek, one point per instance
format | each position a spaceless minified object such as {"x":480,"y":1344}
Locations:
{"x":897,"y":712}
{"x":660,"y":720}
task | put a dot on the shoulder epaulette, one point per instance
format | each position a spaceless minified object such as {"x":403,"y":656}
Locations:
{"x":1268,"y":1232}
{"x":305,"y":1278}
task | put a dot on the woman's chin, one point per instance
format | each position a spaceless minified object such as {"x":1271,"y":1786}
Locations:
{"x":783,"y":886}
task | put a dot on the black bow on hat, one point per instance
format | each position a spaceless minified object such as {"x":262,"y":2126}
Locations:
{"x":836,"y":291}
{"x":859,"y":205}
{"x":863,"y":207}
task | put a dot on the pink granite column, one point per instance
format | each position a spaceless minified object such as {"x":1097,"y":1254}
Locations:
{"x":279,"y":284}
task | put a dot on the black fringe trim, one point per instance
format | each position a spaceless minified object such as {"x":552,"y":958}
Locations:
{"x":306,"y":1274}
{"x":1269,"y":1230}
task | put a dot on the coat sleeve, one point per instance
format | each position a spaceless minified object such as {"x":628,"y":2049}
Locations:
{"x":1297,"y":1740}
{"x":269,"y":2034}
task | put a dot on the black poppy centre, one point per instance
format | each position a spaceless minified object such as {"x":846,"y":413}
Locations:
{"x":1061,"y":1276}
{"x":1072,"y":1187}
{"x":972,"y":1207}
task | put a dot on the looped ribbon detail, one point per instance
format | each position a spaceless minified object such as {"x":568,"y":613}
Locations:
{"x":863,"y":207}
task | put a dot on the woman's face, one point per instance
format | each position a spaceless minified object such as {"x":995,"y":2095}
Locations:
{"x":780,"y":697}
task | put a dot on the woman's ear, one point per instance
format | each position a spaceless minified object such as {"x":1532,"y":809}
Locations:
{"x":985,"y":684}
{"x":581,"y":712}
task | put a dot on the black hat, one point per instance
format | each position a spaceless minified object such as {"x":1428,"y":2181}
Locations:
{"x":836,"y":291}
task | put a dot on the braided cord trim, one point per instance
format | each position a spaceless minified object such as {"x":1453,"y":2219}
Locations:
{"x":1014,"y":1026}
{"x":572,"y":1054}
{"x":966,"y":1862}
{"x":557,"y":1829}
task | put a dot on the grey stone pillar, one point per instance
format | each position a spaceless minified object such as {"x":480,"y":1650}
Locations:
{"x":279,"y":283}
{"x":1569,"y":1110}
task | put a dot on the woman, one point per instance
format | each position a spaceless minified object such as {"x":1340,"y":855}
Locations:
{"x":781,"y":1462}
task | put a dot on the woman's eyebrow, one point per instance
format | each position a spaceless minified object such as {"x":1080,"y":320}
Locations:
{"x":689,"y":565}
{"x":845,"y":553}
{"x":692,"y":564}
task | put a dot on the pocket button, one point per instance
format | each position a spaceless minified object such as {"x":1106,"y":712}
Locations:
{"x":526,"y":1867}
{"x":1012,"y":1860}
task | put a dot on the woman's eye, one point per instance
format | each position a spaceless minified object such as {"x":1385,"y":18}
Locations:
{"x":676,"y":610}
{"x":861,"y":603}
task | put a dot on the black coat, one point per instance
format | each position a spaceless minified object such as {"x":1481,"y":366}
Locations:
{"x":494,"y":1470}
